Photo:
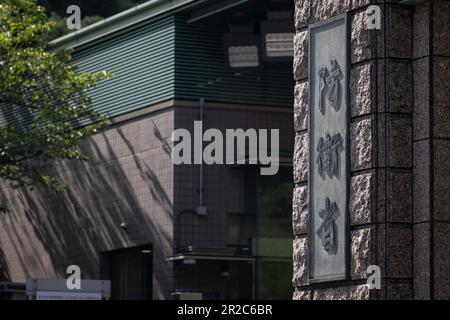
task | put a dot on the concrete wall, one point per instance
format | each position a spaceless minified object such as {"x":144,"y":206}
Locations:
{"x":129,"y":178}
{"x":399,"y":150}
{"x":223,"y":185}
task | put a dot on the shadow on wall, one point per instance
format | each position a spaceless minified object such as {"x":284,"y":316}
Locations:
{"x":75,"y":225}
{"x":4,"y":273}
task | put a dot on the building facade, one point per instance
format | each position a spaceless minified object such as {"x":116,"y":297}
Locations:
{"x":128,"y":214}
{"x":399,"y":149}
{"x":162,"y":231}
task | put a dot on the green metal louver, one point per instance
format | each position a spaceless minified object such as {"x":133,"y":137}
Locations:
{"x":142,"y":62}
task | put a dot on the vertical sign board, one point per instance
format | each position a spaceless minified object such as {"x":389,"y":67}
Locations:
{"x":329,"y":149}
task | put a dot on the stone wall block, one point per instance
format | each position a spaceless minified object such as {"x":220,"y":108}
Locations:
{"x":301,"y":158}
{"x":301,"y":102}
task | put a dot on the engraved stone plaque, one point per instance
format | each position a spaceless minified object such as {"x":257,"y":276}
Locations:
{"x":329,"y":151}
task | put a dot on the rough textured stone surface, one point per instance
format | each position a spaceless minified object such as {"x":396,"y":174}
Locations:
{"x":441,"y":103}
{"x":360,"y":3}
{"x":367,"y":44}
{"x":302,"y":13}
{"x":324,"y":9}
{"x":399,"y":196}
{"x":441,"y":180}
{"x":441,"y":261}
{"x":421,"y":178}
{"x":300,"y":272}
{"x":421,"y":109}
{"x":300,"y":210}
{"x":395,"y":247}
{"x":361,"y":198}
{"x":362,"y":89}
{"x":301,"y":158}
{"x":441,"y":28}
{"x":301,"y":106}
{"x":301,"y":55}
{"x":399,"y":86}
{"x":302,"y":295}
{"x":361,"y":252}
{"x":421,"y":261}
{"x":360,"y":292}
{"x":362,"y":39}
{"x":361,"y":144}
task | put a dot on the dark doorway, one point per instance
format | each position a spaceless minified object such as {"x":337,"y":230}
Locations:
{"x":131,"y":273}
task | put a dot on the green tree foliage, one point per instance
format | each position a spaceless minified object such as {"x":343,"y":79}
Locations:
{"x":60,"y":25}
{"x":43,"y":99}
{"x":91,"y":10}
{"x":104,"y":8}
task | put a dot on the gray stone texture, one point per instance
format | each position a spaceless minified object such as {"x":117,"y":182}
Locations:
{"x":362,"y":194}
{"x":421,"y":109}
{"x":362,"y":252}
{"x":365,"y":43}
{"x":441,"y":85}
{"x":441,"y":180}
{"x":356,"y":4}
{"x":399,"y":196}
{"x":301,"y":158}
{"x":394,"y":195}
{"x":356,"y":292}
{"x":395,"y":141}
{"x":300,"y":210}
{"x":421,"y":32}
{"x":362,"y":144}
{"x":362,"y":39}
{"x":399,"y":85}
{"x":362,"y":89}
{"x":421,"y":261}
{"x":395,"y":250}
{"x":302,"y":13}
{"x":324,"y":9}
{"x":392,"y":184}
{"x":300,"y":257}
{"x":395,"y":85}
{"x":441,"y":28}
{"x":398,"y":291}
{"x":302,"y":295}
{"x":441,"y":103}
{"x":369,"y":43}
{"x":399,"y":150}
{"x":399,"y":35}
{"x":421,"y":178}
{"x":441,"y":260}
{"x":301,"y":55}
{"x":301,"y":106}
